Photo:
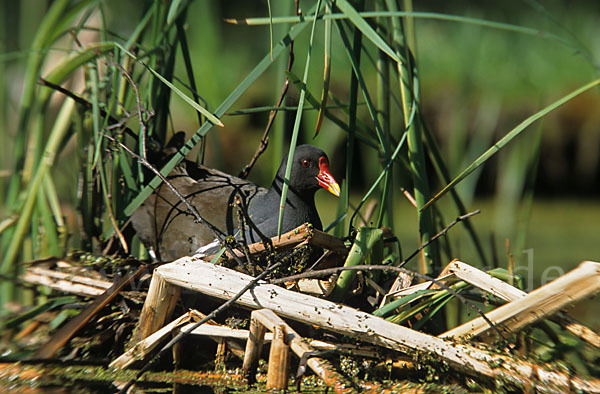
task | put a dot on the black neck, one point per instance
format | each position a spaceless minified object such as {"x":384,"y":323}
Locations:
{"x":293,"y":196}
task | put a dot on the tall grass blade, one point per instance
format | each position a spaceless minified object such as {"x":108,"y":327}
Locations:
{"x":174,"y":11}
{"x":360,"y":130}
{"x":414,"y":14}
{"x":298,"y":120}
{"x":367,"y":246}
{"x":352,"y":53}
{"x":356,"y":50}
{"x":270,"y":28}
{"x":56,"y":137}
{"x":189,"y":69}
{"x":209,"y":116}
{"x":384,"y":94}
{"x":141,"y":26}
{"x":444,"y":175}
{"x":32,"y":72}
{"x":57,"y":214}
{"x":326,"y":71}
{"x":509,"y":137}
{"x":400,"y":301}
{"x":409,"y":89}
{"x":383,"y":173}
{"x":366,"y":29}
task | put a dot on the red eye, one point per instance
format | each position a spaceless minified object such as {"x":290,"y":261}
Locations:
{"x":305,"y":163}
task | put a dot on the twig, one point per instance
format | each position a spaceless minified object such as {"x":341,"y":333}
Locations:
{"x":85,"y":103}
{"x":242,"y":219}
{"x":245,"y":220}
{"x":443,"y":232}
{"x":139,"y":107}
{"x":244,"y":210}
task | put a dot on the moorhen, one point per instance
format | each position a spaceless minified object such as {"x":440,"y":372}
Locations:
{"x":164,"y":223}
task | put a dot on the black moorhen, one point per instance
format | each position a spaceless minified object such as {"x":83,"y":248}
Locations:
{"x":164,"y":223}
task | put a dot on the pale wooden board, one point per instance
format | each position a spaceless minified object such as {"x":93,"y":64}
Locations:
{"x":582,"y":282}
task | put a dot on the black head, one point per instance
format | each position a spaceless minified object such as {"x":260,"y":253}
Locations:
{"x":310,"y":171}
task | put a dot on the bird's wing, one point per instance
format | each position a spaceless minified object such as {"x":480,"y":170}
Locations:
{"x":164,"y":221}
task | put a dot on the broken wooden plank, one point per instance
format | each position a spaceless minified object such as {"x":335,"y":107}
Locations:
{"x":224,"y":283}
{"x":65,"y":333}
{"x":582,"y":282}
{"x":253,"y":348}
{"x":220,"y":331}
{"x":484,"y":281}
{"x":70,"y":276}
{"x":160,"y":302}
{"x":320,"y":366}
{"x":507,"y":292}
{"x":142,"y":348}
{"x":278,"y":372}
{"x":65,"y":282}
{"x":302,"y":234}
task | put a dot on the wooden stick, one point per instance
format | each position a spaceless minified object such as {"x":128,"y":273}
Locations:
{"x":253,"y":348}
{"x":484,"y":281}
{"x":233,"y":344}
{"x":303,"y":233}
{"x":278,"y":374}
{"x":141,"y":349}
{"x":64,"y":286}
{"x":220,"y":331}
{"x":220,"y":355}
{"x":28,"y":329}
{"x":544,"y":301}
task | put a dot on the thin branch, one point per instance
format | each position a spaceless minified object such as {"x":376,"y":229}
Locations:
{"x":242,"y":220}
{"x":443,"y":232}
{"x":247,"y":221}
{"x":139,"y":107}
{"x":87,"y":104}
